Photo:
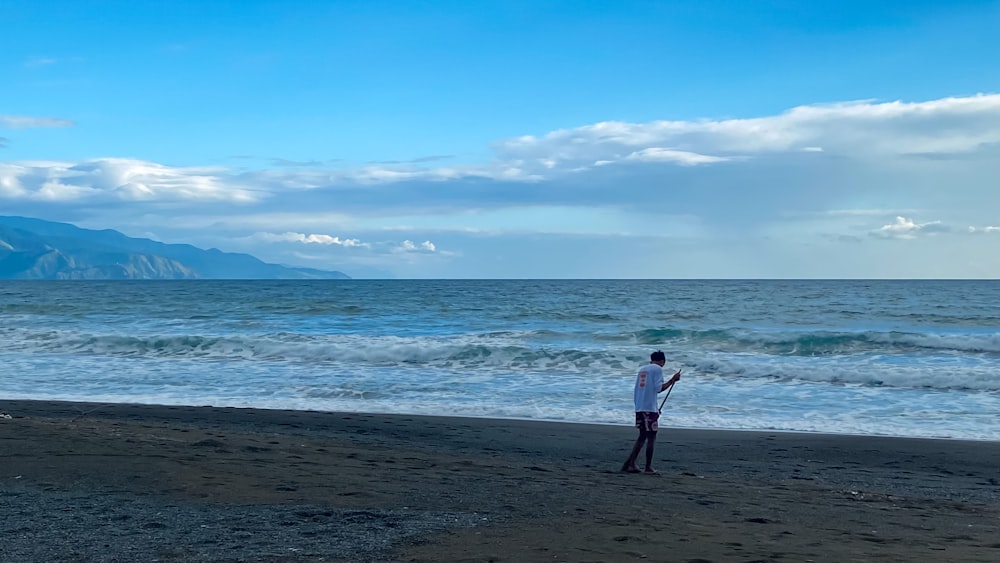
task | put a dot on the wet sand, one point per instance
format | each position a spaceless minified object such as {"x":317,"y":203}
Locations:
{"x":121,"y":482}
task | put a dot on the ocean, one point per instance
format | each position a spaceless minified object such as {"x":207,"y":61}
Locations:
{"x":900,"y":358}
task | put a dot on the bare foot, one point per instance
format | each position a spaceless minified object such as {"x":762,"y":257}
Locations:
{"x":630,"y":469}
{"x":649,"y":471}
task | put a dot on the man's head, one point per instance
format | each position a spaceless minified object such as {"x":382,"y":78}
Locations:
{"x":658,"y":357}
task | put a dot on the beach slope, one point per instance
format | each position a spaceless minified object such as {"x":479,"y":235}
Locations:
{"x":123,"y":482}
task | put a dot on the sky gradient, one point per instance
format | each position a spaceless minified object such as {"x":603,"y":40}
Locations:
{"x":518,"y":139}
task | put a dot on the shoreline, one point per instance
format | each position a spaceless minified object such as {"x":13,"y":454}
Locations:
{"x":624,"y":424}
{"x":92,"y":481}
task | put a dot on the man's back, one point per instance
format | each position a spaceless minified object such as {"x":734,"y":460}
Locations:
{"x":648,"y":382}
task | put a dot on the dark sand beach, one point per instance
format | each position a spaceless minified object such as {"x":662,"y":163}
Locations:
{"x":87,"y":482}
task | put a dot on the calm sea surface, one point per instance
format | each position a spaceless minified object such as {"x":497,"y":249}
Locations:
{"x":908,"y":358}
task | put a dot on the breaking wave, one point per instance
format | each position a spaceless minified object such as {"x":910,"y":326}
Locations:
{"x":891,"y":359}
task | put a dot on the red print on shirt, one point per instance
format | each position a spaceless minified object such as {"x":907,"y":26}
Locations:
{"x":642,"y":379}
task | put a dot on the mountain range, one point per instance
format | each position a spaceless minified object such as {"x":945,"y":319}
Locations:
{"x":45,"y":250}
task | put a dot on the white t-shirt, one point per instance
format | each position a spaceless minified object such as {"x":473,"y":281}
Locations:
{"x":648,"y":382}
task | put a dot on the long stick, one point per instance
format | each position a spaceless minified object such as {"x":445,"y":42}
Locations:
{"x":665,"y":398}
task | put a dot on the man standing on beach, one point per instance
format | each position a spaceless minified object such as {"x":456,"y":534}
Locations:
{"x":648,"y":384}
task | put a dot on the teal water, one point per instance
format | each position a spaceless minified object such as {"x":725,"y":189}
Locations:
{"x":910,"y":358}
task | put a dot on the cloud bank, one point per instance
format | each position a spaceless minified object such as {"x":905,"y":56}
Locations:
{"x":860,"y":170}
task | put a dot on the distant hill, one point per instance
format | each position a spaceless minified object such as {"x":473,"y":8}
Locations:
{"x":44,"y":250}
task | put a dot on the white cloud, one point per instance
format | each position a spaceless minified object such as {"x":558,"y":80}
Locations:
{"x":410,"y":246}
{"x":984,"y":229}
{"x":309,"y":239}
{"x":28,"y":122}
{"x":904,"y":228}
{"x":54,"y":190}
{"x":120,"y":179}
{"x":758,"y":153}
{"x":684,"y":158}
{"x":860,"y":129}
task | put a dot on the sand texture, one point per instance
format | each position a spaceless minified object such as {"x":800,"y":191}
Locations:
{"x":86,"y":482}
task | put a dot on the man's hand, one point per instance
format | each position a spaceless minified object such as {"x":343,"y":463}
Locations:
{"x":675,"y":378}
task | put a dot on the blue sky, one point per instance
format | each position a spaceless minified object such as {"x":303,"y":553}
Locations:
{"x":517,"y":139}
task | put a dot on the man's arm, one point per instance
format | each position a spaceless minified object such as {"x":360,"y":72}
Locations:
{"x":668,"y":384}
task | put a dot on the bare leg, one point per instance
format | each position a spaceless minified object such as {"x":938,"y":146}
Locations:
{"x":629,"y":465}
{"x":650,"y":444}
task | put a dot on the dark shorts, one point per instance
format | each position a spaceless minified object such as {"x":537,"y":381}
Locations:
{"x":648,"y":421}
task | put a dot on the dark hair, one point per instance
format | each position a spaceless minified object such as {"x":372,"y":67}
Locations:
{"x":658,"y":356}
